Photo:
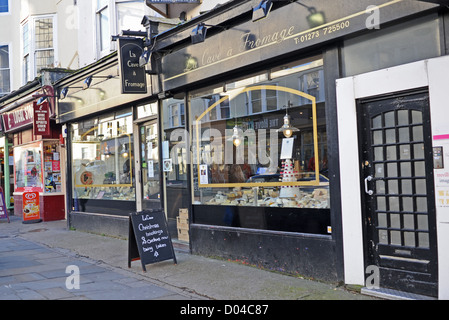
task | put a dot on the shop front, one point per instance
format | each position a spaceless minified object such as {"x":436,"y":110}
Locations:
{"x":273,"y":153}
{"x":102,"y":134}
{"x":33,"y":155}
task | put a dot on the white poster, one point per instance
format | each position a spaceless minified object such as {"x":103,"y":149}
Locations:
{"x":204,"y":177}
{"x":150,"y":169}
{"x":287,"y":148}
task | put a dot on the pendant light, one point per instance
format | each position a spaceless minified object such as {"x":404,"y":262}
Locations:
{"x":287,"y":129}
{"x":236,"y":139}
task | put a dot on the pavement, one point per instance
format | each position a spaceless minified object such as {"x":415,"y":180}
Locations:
{"x":48,"y":261}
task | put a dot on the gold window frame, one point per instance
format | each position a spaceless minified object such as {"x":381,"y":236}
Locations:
{"x":315,"y":182}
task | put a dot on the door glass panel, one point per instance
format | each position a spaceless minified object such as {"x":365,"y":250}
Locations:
{"x":382,"y":220}
{"x":377,"y":122}
{"x":407,"y":186}
{"x":423,"y":223}
{"x":421,"y":204}
{"x":391,"y":153}
{"x":420,"y":170}
{"x":406,"y":169}
{"x":381,"y":204}
{"x":419,"y":150}
{"x":383,"y":236}
{"x":404,"y":151}
{"x":394,"y":204}
{"x":407,"y":204}
{"x":395,"y":237}
{"x":378,"y":154}
{"x":417,"y":133}
{"x":390,"y":136}
{"x":392,"y":169}
{"x":423,"y":239}
{"x":420,"y":185}
{"x":380,"y":186}
{"x":416,"y":117}
{"x":379,"y":170}
{"x":409,"y":239}
{"x":389,"y":119}
{"x":150,"y":166}
{"x":395,"y":221}
{"x":404,"y":135}
{"x":393,"y":187}
{"x":377,"y":137}
{"x":403,"y":118}
{"x":409,"y":221}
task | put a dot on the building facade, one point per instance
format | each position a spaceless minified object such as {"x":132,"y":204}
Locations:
{"x":301,"y":136}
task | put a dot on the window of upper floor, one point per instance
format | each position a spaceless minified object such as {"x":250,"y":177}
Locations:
{"x":5,"y":71}
{"x":113,"y":16}
{"x":39,"y":49}
{"x":4,"y":6}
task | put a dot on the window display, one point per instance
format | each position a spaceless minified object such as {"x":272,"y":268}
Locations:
{"x":37,"y":167}
{"x":102,"y":159}
{"x":28,"y":170}
{"x":270,"y":148}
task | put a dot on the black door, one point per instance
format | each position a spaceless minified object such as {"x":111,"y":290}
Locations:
{"x":398,"y":198}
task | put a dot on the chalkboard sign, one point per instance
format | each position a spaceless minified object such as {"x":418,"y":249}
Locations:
{"x":3,"y":209}
{"x":149,"y":239}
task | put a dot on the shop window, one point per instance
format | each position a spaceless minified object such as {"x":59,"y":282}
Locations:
{"x":37,"y":167}
{"x":103,"y":164}
{"x":252,"y":173}
{"x":403,"y":43}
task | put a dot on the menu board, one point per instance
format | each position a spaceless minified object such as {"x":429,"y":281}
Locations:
{"x":149,"y":239}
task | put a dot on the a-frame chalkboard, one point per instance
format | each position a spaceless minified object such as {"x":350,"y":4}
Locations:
{"x":149,"y":239}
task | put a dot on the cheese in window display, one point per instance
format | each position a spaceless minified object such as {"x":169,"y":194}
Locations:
{"x":309,"y":197}
{"x":282,"y":196}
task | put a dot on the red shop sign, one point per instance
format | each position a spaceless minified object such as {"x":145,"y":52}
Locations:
{"x":41,"y":122}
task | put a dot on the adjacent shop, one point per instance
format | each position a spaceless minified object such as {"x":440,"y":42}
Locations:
{"x":32,"y":153}
{"x":99,"y":124}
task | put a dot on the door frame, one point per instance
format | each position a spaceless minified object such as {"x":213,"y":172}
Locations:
{"x":426,"y":73}
{"x":420,"y":278}
{"x":137,"y":163}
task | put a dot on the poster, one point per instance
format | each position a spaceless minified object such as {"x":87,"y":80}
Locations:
{"x":204,"y":176}
{"x":30,"y":206}
{"x":287,"y":148}
{"x":150,"y":169}
{"x":168,"y":167}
